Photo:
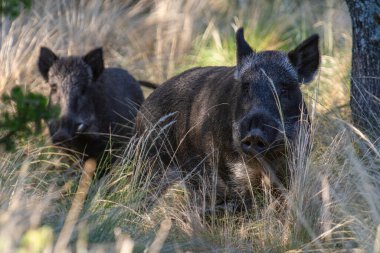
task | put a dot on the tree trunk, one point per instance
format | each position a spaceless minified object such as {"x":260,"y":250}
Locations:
{"x":365,"y":77}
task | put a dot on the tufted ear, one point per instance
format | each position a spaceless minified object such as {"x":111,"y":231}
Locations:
{"x":45,"y":61}
{"x":306,"y":58}
{"x":242,"y":47}
{"x":95,"y":60}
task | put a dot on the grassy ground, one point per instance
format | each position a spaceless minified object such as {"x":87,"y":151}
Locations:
{"x":332,"y":204}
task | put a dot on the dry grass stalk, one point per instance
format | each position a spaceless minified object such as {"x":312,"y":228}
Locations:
{"x":76,"y":207}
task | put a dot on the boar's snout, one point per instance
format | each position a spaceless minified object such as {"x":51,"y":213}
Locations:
{"x":259,"y":131}
{"x":61,"y":136}
{"x":64,"y":130}
{"x":254,"y":142}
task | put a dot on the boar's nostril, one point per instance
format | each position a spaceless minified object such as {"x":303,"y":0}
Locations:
{"x":246,"y":142}
{"x":253,"y":144}
{"x":260,"y":143}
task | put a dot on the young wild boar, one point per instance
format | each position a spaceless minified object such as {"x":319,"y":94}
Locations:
{"x":96,"y":102}
{"x":233,"y":120}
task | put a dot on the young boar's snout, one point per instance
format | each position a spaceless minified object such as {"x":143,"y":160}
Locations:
{"x":259,"y":131}
{"x":65,"y":129}
{"x":60,"y":132}
{"x":61,"y":136}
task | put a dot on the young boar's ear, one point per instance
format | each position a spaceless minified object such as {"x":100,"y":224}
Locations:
{"x":306,"y":58}
{"x":45,"y":61}
{"x":243,"y":49}
{"x":95,"y":60}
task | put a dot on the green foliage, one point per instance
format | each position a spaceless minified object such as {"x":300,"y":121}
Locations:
{"x":221,"y":49}
{"x":13,"y":8}
{"x":36,"y":240}
{"x":30,"y":109}
{"x":267,"y":27}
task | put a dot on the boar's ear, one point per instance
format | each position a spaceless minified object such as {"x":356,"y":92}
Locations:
{"x":94,"y":59}
{"x":45,"y":61}
{"x":305,"y":58}
{"x":243,"y":49}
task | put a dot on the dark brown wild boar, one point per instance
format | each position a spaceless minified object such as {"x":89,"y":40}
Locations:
{"x":97,"y":104}
{"x":234,"y":120}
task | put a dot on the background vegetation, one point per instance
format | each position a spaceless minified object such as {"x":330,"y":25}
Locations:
{"x":332,"y":205}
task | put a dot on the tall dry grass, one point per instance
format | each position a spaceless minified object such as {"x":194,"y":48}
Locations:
{"x":147,"y":37}
{"x":332,"y":203}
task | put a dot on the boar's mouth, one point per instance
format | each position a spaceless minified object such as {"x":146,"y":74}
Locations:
{"x":88,"y":130}
{"x":61,"y":139}
{"x":64,"y":131}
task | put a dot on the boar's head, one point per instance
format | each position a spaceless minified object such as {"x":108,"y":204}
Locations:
{"x":269,"y":102}
{"x":72,"y":80}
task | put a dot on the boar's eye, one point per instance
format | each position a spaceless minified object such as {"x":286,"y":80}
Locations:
{"x":53,"y":88}
{"x":245,"y":88}
{"x":82,"y":89}
{"x":285,"y":91}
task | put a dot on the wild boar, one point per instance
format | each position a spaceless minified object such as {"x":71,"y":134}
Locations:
{"x":98,"y":105}
{"x":232,"y":120}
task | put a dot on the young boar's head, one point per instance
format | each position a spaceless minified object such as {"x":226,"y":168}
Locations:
{"x":270,"y":103}
{"x":71,"y":81}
